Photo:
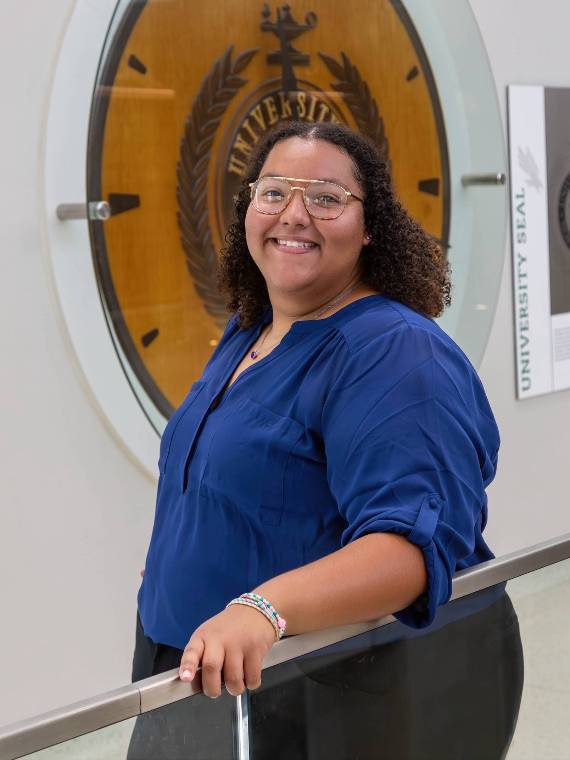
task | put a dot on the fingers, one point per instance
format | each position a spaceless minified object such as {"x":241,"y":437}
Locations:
{"x":191,"y":658}
{"x":238,"y":673}
{"x":212,"y":664}
{"x":211,"y":659}
{"x":233,"y":673}
{"x":252,"y":670}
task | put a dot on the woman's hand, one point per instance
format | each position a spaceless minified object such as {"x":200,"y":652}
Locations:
{"x":231,"y":645}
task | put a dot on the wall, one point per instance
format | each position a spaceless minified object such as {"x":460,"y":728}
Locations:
{"x":76,"y":511}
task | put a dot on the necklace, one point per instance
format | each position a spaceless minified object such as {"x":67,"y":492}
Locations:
{"x":254,"y":354}
{"x":312,"y":315}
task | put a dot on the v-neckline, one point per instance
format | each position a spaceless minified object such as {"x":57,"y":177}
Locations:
{"x":298,"y":327}
{"x":227,"y":386}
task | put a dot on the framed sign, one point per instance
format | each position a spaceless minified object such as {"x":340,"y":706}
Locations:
{"x":539,"y":122}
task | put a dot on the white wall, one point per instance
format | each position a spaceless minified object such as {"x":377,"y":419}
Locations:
{"x":76,"y":511}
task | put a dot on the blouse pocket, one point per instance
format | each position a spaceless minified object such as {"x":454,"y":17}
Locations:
{"x":174,"y":422}
{"x":276,"y":436}
{"x":248,"y":458}
{"x":285,"y":433}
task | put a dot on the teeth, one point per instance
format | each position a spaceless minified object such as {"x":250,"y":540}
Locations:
{"x":295,"y":244}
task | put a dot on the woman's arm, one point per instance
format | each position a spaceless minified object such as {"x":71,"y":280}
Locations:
{"x":374,"y":575}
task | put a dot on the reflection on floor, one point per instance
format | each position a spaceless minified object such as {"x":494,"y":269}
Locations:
{"x":542,"y":602}
{"x":108,"y":743}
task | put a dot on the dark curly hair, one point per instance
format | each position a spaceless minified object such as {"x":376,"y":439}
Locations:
{"x":401,"y":262}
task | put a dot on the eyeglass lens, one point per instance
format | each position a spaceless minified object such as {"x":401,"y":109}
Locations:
{"x":323,"y":200}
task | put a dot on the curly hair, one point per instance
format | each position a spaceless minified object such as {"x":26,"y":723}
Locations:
{"x":401,"y":261}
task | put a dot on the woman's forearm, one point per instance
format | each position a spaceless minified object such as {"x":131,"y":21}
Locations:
{"x":375,"y":575}
{"x":372,"y":576}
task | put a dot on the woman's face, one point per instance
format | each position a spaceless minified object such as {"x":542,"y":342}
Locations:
{"x":331,"y":261}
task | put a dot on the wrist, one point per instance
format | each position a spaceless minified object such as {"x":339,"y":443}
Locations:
{"x":263,"y":606}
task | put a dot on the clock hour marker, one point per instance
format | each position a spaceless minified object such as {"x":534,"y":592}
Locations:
{"x":121,"y":202}
{"x":148,"y":337}
{"x":430,"y":186}
{"x":412,"y":73}
{"x":136,"y":64}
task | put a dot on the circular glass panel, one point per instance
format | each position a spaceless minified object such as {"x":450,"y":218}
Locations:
{"x":180,"y":102}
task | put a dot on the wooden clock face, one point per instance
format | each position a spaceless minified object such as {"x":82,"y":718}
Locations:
{"x":185,"y":89}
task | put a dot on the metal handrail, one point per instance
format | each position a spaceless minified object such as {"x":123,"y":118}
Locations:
{"x":23,"y":738}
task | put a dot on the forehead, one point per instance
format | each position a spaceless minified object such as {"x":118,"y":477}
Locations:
{"x":310,"y":159}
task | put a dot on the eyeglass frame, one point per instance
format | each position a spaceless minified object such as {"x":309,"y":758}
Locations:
{"x":289,"y":180}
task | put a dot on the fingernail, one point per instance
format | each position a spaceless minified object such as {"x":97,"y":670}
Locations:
{"x":186,"y":675}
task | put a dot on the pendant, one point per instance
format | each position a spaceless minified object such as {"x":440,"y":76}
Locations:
{"x":254,"y":354}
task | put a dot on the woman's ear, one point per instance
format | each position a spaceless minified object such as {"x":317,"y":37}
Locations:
{"x":366,"y":240}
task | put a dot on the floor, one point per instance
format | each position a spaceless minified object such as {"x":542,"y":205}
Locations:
{"x":542,"y":602}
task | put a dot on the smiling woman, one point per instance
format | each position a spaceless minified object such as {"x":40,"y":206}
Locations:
{"x":337,"y":446}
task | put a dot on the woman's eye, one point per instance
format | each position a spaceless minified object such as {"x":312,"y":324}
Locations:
{"x":326,"y":199}
{"x":272,"y":195}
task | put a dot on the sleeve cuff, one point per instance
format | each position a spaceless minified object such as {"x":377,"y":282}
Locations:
{"x":421,"y":533}
{"x":422,"y":612}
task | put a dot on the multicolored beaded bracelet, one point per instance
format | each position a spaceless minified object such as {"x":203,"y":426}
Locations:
{"x":266,"y":608}
{"x":266,"y":604}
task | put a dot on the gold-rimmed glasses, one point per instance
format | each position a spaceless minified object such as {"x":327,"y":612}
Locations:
{"x":322,"y":199}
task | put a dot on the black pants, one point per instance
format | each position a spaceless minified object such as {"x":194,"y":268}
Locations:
{"x":448,"y":694}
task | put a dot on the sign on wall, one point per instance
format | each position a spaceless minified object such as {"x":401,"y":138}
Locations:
{"x":539,"y":123}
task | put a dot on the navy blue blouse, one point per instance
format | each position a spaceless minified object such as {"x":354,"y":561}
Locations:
{"x":372,"y":420}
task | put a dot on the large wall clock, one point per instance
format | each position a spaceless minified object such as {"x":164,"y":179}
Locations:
{"x":182,"y":92}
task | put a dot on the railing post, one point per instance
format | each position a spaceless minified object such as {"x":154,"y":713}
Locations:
{"x":242,"y":727}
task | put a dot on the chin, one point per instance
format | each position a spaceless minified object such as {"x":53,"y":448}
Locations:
{"x":289,"y":279}
{"x":290,"y":285}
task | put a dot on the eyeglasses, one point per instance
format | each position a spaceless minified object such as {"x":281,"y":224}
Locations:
{"x":322,"y":199}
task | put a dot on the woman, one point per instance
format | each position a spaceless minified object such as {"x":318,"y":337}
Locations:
{"x":334,"y":455}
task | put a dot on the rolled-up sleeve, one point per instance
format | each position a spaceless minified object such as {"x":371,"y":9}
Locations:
{"x":411,"y":444}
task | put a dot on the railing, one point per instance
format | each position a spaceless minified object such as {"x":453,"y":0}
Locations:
{"x":25,"y":737}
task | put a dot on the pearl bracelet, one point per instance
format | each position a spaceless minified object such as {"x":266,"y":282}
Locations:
{"x":266,"y":608}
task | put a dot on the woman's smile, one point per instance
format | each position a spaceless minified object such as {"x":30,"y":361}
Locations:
{"x":297,"y":245}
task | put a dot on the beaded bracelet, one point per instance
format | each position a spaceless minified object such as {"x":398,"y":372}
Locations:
{"x":266,"y":608}
{"x":265,"y":604}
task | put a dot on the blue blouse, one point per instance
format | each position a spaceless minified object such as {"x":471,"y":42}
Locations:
{"x":372,"y":420}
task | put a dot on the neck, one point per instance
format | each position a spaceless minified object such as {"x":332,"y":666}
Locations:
{"x":288,"y":309}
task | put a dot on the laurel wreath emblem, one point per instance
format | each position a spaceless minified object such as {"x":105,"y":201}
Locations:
{"x":218,"y":88}
{"x":215,"y":94}
{"x":357,"y":96}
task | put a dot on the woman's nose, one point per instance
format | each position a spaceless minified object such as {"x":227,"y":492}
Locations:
{"x":296,"y":212}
